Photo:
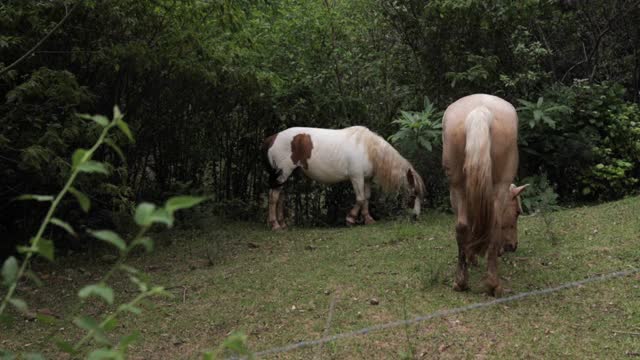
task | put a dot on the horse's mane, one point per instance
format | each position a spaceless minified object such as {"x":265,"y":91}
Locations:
{"x":389,"y":167}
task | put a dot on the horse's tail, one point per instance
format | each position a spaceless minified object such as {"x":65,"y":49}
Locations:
{"x":479,"y":182}
{"x":271,"y":168}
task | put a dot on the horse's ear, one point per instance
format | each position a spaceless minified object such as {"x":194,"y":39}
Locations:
{"x":517,"y":190}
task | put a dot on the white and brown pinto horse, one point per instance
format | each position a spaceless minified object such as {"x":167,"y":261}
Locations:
{"x":331,"y":156}
{"x":480,"y":158}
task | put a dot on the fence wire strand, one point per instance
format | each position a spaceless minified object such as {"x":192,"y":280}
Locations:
{"x":443,"y":313}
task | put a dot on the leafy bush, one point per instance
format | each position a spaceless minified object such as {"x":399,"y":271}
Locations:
{"x":146,"y":214}
{"x":585,"y":137}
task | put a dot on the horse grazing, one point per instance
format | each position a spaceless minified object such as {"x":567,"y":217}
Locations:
{"x":331,"y":156}
{"x":480,"y":159}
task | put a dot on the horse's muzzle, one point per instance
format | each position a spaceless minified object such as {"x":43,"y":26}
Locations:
{"x":510,"y":248}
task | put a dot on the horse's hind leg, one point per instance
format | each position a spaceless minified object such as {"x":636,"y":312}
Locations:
{"x":280,"y":210}
{"x":358,"y":188}
{"x":463,"y":234}
{"x":365,"y":207}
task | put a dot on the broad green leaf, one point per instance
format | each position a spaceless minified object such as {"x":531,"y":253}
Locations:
{"x":78,"y":157}
{"x":92,"y":166}
{"x":35,"y":197}
{"x":145,"y":241}
{"x":162,"y":216}
{"x":182,"y":202}
{"x":83,"y":200}
{"x":105,"y":354}
{"x":9,"y":271}
{"x":124,"y":127}
{"x":99,"y":119}
{"x":110,"y":237}
{"x":142,"y":286}
{"x":90,"y":324}
{"x":19,"y":304}
{"x":143,"y":214}
{"x":45,"y":248}
{"x":99,"y":290}
{"x":64,"y":225}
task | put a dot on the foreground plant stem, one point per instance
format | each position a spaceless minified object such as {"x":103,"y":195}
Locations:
{"x":36,"y":240}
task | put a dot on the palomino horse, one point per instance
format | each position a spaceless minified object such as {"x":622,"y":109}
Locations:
{"x":480,"y":158}
{"x":331,"y":156}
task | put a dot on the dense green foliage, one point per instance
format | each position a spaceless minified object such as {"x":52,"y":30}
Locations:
{"x":203,"y":82}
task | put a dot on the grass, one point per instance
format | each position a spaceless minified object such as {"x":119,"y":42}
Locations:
{"x":277,"y":288}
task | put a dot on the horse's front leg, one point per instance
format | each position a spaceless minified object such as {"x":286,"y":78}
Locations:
{"x":358,"y":189}
{"x":274,"y":195}
{"x":368,"y":220}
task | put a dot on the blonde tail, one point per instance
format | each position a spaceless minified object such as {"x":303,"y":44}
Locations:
{"x":479,"y":182}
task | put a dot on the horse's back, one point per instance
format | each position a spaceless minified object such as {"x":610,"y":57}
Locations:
{"x":503,"y":134}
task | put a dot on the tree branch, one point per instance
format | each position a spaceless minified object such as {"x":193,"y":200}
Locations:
{"x":33,"y":49}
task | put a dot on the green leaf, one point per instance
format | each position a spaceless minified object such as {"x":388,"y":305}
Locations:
{"x":125,"y":341}
{"x":35,"y":197}
{"x":182,"y":202}
{"x":99,"y":119}
{"x":110,"y":324}
{"x":45,"y":248}
{"x":110,"y":237}
{"x":9,"y":271}
{"x":92,"y":166}
{"x":46,"y":319}
{"x":19,"y":304}
{"x":64,"y":225}
{"x":65,"y":346}
{"x":115,"y":148}
{"x":105,"y":354}
{"x":124,"y":127}
{"x":33,"y":356}
{"x":33,"y":277}
{"x":129,"y":269}
{"x":116,"y":112}
{"x":90,"y":324}
{"x":143,"y":214}
{"x":130,"y":308}
{"x":145,"y":241}
{"x":99,"y":290}
{"x":83,"y":200}
{"x":78,"y":157}
{"x":162,"y":216}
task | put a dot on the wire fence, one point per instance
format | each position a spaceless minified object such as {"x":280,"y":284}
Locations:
{"x":443,"y":313}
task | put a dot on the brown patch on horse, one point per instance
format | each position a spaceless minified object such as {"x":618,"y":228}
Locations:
{"x":301,"y":147}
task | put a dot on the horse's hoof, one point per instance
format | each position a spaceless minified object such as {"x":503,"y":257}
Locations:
{"x":495,"y":290}
{"x":284,"y":226}
{"x":275,"y":226}
{"x":460,"y":287}
{"x":368,"y":220}
{"x":350,"y":221}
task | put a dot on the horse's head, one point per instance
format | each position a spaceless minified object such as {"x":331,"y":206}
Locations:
{"x":510,"y":214}
{"x":415,"y":189}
